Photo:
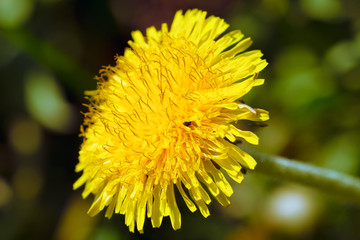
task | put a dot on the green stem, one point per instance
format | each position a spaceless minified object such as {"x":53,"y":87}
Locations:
{"x":75,"y":77}
{"x":330,"y":181}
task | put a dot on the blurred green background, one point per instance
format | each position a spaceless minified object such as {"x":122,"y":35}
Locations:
{"x":50,"y":50}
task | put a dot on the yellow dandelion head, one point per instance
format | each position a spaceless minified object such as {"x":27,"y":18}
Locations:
{"x":163,"y":117}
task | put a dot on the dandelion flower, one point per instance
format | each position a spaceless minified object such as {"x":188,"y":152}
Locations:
{"x":163,"y":119}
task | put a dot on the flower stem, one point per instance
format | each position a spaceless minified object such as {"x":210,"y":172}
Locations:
{"x":330,"y":181}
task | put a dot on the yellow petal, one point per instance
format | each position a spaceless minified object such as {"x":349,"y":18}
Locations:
{"x":175,"y":216}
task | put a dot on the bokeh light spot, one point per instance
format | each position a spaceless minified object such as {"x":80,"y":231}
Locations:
{"x":322,"y":9}
{"x":341,"y":153}
{"x":25,"y":136}
{"x":301,"y":78}
{"x":27,"y":183}
{"x":342,"y":56}
{"x":292,"y":209}
{"x":274,"y":139}
{"x":46,"y":103}
{"x":295,"y":59}
{"x":14,"y":13}
{"x":5,"y":193}
{"x":75,"y":224}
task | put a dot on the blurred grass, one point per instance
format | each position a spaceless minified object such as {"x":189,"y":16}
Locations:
{"x":73,"y":76}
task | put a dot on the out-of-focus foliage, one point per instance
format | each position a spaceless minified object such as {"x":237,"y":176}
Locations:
{"x":312,"y":91}
{"x":14,"y":13}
